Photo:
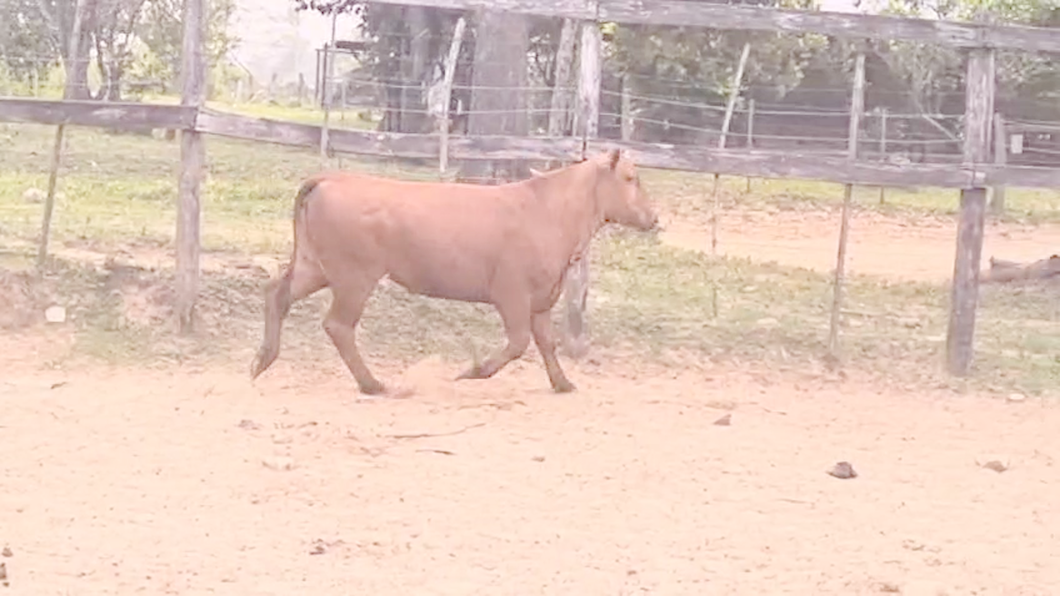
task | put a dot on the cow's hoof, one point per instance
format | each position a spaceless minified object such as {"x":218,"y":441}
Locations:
{"x":475,"y":372}
{"x":564,"y":386}
{"x":372,"y":388}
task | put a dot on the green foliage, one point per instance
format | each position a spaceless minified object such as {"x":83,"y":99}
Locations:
{"x":931,"y":71}
{"x":162,"y":31}
{"x":27,"y":42}
{"x":137,"y":38}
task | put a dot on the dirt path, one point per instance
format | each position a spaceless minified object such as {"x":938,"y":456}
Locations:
{"x":195,"y":482}
{"x":880,"y":245}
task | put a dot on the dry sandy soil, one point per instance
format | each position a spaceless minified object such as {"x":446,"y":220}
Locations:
{"x":880,"y":245}
{"x":191,"y":481}
{"x":195,"y":481}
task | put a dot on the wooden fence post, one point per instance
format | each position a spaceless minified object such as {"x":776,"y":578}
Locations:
{"x":329,"y":63}
{"x":883,"y":149}
{"x":560,"y":104}
{"x":447,"y":94}
{"x":997,"y":201}
{"x":857,"y":106}
{"x":730,"y":105}
{"x":964,"y":294}
{"x":57,"y":148}
{"x":750,"y":132}
{"x":192,"y":162}
{"x":576,"y":283}
{"x":734,"y":93}
{"x":627,"y":110}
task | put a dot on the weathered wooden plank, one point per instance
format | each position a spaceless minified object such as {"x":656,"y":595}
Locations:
{"x":550,"y":8}
{"x":723,"y":16}
{"x":1021,"y":176}
{"x":192,"y":166}
{"x":564,"y":149}
{"x":764,"y":164}
{"x":1023,"y":127}
{"x":964,"y":292}
{"x":361,"y":142}
{"x":768,"y":164}
{"x":576,"y":281}
{"x":757,"y":164}
{"x":121,"y":116}
{"x":1002,"y":271}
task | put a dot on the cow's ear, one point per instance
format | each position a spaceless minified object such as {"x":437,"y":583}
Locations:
{"x":613,"y":157}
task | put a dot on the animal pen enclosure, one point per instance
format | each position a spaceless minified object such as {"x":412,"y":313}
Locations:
{"x":458,"y":101}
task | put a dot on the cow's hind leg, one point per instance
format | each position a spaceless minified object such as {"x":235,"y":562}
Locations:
{"x":301,"y":279}
{"x":347,"y":306}
{"x":541,"y":325}
{"x":516,"y":318}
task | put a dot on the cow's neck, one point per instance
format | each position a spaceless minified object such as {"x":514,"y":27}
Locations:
{"x":571,"y":198}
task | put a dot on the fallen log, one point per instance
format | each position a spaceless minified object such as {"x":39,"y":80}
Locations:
{"x":1002,"y":271}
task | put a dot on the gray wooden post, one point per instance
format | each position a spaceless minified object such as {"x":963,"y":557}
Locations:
{"x":447,"y":94}
{"x":576,"y":283}
{"x":964,"y":294}
{"x":192,"y":161}
{"x":997,"y":201}
{"x":57,"y":148}
{"x":857,"y":106}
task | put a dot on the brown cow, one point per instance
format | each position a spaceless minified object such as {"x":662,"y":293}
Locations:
{"x":508,"y":245}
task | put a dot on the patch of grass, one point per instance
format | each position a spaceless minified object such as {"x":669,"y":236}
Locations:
{"x":647,"y":300}
{"x":663,"y":298}
{"x":118,"y":187}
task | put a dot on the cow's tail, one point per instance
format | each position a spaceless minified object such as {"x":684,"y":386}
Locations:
{"x":278,"y":290}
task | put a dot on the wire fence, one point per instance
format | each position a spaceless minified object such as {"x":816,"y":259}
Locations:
{"x":393,"y":93}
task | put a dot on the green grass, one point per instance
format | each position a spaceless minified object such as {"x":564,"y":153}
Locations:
{"x":647,"y":298}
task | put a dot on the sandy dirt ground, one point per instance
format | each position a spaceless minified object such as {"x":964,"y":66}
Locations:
{"x":195,"y":481}
{"x":879,"y":245}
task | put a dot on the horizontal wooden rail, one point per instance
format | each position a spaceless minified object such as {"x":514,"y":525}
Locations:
{"x":839,"y":24}
{"x":723,"y":16}
{"x":125,"y":116}
{"x":730,"y":162}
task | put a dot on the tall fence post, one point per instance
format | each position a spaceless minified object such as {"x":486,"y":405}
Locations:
{"x":964,"y":294}
{"x":750,"y":132}
{"x":627,"y":110}
{"x":576,"y":282}
{"x":883,"y":149}
{"x":734,"y":93}
{"x":560,"y":104}
{"x":857,"y":106}
{"x":329,"y":63}
{"x":57,"y":148}
{"x":192,"y":161}
{"x":447,"y":95}
{"x":997,"y":201}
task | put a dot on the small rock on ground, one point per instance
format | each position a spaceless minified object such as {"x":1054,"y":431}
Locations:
{"x":843,"y":470}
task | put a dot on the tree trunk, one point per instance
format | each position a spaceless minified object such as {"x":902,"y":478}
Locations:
{"x":114,"y":76}
{"x":413,"y":107}
{"x":498,"y":102}
{"x":77,"y":53}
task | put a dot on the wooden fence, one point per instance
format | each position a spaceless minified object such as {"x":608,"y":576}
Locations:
{"x":976,"y":172}
{"x":727,"y":162}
